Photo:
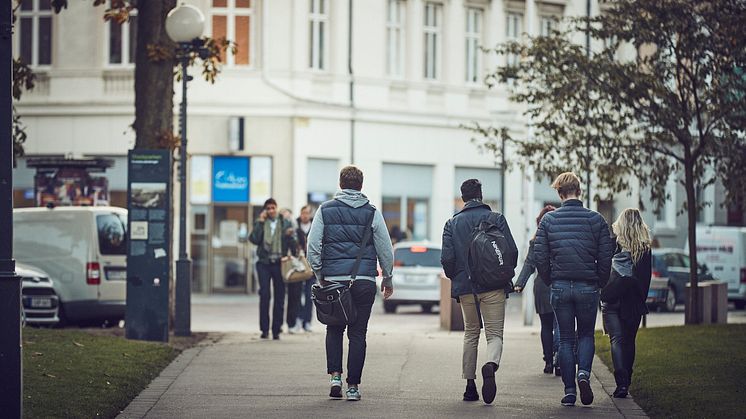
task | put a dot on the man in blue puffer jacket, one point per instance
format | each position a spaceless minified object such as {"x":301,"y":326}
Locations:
{"x":334,"y":243}
{"x":573,"y":251}
{"x":457,"y":236}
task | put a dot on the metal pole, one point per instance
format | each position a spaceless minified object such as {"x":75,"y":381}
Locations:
{"x":352,"y":84}
{"x":183,"y":326}
{"x":502,"y":176}
{"x":11,"y":377}
{"x":587,"y":141}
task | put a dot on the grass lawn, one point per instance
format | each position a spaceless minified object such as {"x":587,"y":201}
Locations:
{"x":688,"y":371}
{"x":74,"y":373}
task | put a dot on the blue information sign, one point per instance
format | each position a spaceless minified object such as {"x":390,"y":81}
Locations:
{"x":230,"y":179}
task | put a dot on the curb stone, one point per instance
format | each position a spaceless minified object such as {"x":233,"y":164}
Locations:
{"x":141,"y":405}
{"x":627,"y":406}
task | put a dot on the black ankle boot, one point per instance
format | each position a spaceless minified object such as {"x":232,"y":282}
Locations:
{"x":471,"y":395}
{"x":548,"y":366}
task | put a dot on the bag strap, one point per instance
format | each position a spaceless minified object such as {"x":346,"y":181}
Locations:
{"x":366,"y":239}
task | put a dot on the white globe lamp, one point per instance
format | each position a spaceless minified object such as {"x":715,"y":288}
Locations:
{"x":184,"y":23}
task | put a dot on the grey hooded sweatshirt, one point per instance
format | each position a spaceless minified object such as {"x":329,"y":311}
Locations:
{"x":381,"y":240}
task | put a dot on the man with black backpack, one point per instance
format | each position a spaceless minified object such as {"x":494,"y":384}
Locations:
{"x":479,"y":256}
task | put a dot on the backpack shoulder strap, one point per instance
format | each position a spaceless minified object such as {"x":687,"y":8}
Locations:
{"x":366,"y":239}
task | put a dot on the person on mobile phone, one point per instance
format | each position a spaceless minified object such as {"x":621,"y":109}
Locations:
{"x":274,"y":236}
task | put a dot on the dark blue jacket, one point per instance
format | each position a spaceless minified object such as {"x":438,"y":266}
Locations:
{"x":344,"y":227}
{"x":573,"y":243}
{"x":456,"y":240}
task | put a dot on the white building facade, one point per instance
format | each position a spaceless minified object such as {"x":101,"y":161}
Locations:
{"x":313,"y":87}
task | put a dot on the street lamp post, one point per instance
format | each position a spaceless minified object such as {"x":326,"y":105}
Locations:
{"x":11,"y":378}
{"x":184,"y":25}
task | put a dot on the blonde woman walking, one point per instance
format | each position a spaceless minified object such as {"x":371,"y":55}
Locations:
{"x":623,"y":298}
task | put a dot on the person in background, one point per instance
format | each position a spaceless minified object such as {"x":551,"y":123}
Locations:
{"x":549,"y":329}
{"x":572,"y":252}
{"x":631,"y":265}
{"x":274,"y":236}
{"x":299,"y":312}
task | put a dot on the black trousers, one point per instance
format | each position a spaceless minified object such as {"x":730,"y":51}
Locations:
{"x":295,"y":290}
{"x":622,"y":334}
{"x":270,"y":286}
{"x":547,"y":336}
{"x":363,"y":295}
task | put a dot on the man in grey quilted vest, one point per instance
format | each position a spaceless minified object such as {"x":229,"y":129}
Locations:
{"x":334,"y":243}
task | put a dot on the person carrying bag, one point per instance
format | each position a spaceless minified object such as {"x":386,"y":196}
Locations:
{"x":347,"y":241}
{"x":333,"y":302}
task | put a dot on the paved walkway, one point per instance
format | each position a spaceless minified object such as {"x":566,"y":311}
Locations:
{"x":412,"y":370}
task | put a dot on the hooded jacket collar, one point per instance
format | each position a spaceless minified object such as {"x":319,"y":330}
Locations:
{"x":351,"y":197}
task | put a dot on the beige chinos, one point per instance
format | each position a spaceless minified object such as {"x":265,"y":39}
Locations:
{"x":492,"y":307}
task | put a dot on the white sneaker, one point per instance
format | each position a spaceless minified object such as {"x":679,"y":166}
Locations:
{"x":307,"y":328}
{"x":295,"y":329}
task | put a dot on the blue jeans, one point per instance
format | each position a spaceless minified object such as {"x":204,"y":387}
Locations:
{"x":306,"y":309}
{"x":575,"y":301}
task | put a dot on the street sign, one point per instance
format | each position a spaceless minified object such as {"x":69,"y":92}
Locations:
{"x":148,"y":255}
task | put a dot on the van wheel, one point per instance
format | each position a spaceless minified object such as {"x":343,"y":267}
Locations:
{"x":64,"y":322}
{"x":389,"y":307}
{"x":670,"y":304}
{"x":427,"y":308}
{"x":740,"y":304}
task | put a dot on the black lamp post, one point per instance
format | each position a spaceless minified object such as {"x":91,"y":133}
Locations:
{"x":184,"y":25}
{"x":11,"y":378}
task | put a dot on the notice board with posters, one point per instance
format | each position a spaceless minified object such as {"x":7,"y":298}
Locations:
{"x":148,"y":255}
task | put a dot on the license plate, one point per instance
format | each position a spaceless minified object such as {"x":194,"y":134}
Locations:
{"x":41,"y":303}
{"x":116,"y":274}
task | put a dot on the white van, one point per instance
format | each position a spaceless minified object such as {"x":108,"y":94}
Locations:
{"x":723,"y":250}
{"x":84,"y":251}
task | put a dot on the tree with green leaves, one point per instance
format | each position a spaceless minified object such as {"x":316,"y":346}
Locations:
{"x":155,"y":63}
{"x":660,"y":93}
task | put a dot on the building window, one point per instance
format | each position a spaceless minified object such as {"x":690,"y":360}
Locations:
{"x":548,"y":25}
{"x":432,"y":28}
{"x":232,"y":19}
{"x":473,"y":42}
{"x":123,"y":40}
{"x":514,"y":30}
{"x":395,"y":37}
{"x":666,"y":218}
{"x":319,"y":22}
{"x":34,"y":32}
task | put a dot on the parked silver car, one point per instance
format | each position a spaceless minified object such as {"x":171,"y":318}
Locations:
{"x":417,"y":274}
{"x":39,"y":301}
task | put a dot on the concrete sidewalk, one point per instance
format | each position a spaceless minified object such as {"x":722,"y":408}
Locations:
{"x":413,"y":370}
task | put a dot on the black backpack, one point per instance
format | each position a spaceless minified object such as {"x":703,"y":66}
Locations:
{"x":489,"y":255}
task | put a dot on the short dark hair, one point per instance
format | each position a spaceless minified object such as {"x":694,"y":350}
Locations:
{"x":471,"y":189}
{"x":270,"y":201}
{"x":351,"y":178}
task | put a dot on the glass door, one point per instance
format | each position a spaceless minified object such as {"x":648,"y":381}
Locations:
{"x":229,"y":245}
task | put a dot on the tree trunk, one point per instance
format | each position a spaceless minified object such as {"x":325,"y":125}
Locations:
{"x":154,"y":81}
{"x":691,"y":207}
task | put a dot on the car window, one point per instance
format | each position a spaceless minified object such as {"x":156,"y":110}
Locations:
{"x":659,"y":264}
{"x":112,"y":234}
{"x":684,"y":260}
{"x":673,"y":260}
{"x":417,"y":256}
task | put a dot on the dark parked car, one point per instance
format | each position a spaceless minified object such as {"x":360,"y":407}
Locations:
{"x":669,"y":279}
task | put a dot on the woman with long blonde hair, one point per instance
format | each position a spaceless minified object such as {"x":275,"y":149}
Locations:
{"x":623,"y":298}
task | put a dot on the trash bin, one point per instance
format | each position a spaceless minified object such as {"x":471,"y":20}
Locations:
{"x":705,"y":303}
{"x":718,"y":301}
{"x":451,"y":317}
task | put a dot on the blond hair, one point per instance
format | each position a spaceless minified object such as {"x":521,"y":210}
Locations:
{"x":567,"y":184}
{"x":632,"y":234}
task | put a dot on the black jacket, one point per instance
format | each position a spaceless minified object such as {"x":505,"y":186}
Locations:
{"x":573,"y":243}
{"x":631,"y":304}
{"x":456,"y":239}
{"x":289,"y":242}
